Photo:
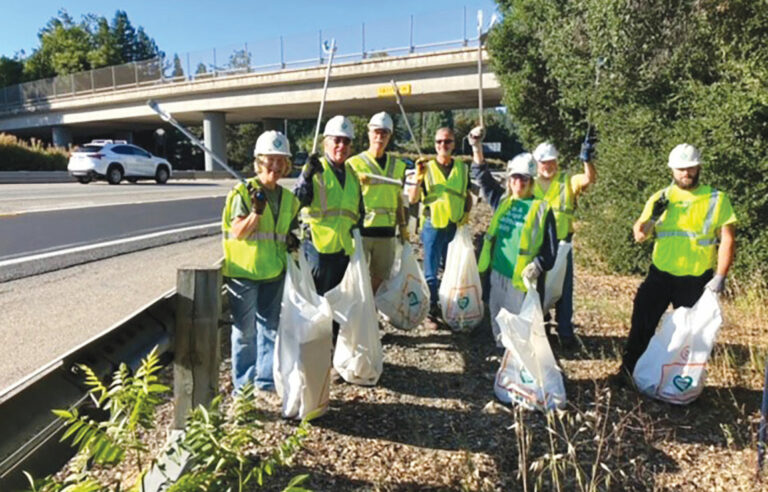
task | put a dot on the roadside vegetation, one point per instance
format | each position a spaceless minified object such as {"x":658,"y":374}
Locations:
{"x":19,"y":155}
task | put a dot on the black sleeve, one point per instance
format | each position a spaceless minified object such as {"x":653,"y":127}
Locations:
{"x":546,"y":257}
{"x":303,"y":190}
{"x":490,"y":190}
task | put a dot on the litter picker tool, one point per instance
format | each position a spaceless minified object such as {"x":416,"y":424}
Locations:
{"x":405,"y":117}
{"x":329,"y":49}
{"x":382,"y":179}
{"x":599,"y":63}
{"x":481,"y":37}
{"x":166,"y":116}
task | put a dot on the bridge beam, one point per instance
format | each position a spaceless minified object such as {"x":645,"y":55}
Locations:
{"x":124,"y":135}
{"x":214,"y":137}
{"x":61,"y":136}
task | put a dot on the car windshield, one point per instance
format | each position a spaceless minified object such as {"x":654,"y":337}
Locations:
{"x":89,"y":148}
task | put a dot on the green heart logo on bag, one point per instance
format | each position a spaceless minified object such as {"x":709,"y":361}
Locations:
{"x":413,"y":299}
{"x":525,"y":377}
{"x":463,"y":302}
{"x":682,"y":383}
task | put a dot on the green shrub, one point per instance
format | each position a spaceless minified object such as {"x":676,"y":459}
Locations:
{"x":676,"y":72}
{"x":17,"y":155}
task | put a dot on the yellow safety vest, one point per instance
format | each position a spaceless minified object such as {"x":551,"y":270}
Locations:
{"x":333,"y":211}
{"x":686,"y":240}
{"x":446,"y":197}
{"x":261,"y":255}
{"x":560,"y":197}
{"x":531,"y":238}
{"x":380,"y":199}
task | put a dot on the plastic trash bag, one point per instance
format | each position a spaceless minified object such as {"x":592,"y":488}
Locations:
{"x":404,"y":298}
{"x":358,"y":356}
{"x":461,"y":293}
{"x":528,"y":374}
{"x":303,"y":347}
{"x":503,"y":295}
{"x":553,"y":286}
{"x":674,"y":366}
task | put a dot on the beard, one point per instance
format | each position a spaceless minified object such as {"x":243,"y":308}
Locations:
{"x":686,"y":185}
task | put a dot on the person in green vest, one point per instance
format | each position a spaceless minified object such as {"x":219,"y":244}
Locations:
{"x":329,"y":192}
{"x":694,"y":229}
{"x":256,"y":223}
{"x":561,"y":191}
{"x":383,"y":201}
{"x":442,"y":184}
{"x":521,"y":241}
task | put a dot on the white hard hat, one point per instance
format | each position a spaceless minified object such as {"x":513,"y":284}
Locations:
{"x":545,"y":152}
{"x":381,"y":120}
{"x":684,"y":155}
{"x":272,"y":143}
{"x":522,"y":164}
{"x":339,"y":126}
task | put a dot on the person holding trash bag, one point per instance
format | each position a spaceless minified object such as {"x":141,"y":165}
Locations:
{"x":521,"y":241}
{"x":442,"y":184}
{"x":329,"y":191}
{"x":382,"y":199}
{"x":561,"y":192}
{"x":688,"y":220}
{"x":256,"y":223}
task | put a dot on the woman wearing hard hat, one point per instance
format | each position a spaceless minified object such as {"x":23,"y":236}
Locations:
{"x":521,"y":241}
{"x":256,"y":223}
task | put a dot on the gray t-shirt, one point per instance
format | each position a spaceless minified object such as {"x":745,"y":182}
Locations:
{"x":239,"y":209}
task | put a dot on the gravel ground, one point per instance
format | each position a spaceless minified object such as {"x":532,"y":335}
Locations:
{"x":432,"y":422}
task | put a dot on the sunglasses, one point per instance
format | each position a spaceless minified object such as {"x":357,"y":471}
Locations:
{"x":446,"y":141}
{"x":341,"y":140}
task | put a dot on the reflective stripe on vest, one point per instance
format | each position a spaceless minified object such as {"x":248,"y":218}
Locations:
{"x":380,"y":198}
{"x":333,"y":211}
{"x":560,"y":198}
{"x":260,"y":255}
{"x":446,"y":197}
{"x":706,"y":237}
{"x":531,"y":238}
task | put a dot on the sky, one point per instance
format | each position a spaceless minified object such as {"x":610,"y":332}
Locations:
{"x":195,"y":25}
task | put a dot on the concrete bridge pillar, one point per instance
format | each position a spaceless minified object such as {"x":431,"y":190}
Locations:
{"x":214,"y":137}
{"x":61,"y":136}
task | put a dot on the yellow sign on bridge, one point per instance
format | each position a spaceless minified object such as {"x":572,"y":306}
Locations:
{"x":389,"y":91}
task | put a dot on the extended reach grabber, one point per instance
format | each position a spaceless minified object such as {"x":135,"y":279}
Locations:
{"x":329,"y":48}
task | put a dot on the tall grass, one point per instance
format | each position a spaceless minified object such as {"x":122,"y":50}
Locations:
{"x":19,"y":155}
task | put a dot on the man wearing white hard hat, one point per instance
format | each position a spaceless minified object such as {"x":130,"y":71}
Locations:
{"x":688,"y":220}
{"x":256,"y":223}
{"x":521,"y":241}
{"x":382,"y":199}
{"x":561,"y":192}
{"x":329,"y":191}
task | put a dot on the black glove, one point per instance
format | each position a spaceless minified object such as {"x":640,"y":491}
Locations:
{"x":292,"y":242}
{"x":659,"y":206}
{"x":588,"y":150}
{"x":258,"y":201}
{"x":313,"y":166}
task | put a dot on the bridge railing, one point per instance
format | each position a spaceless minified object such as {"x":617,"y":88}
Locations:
{"x":420,"y":33}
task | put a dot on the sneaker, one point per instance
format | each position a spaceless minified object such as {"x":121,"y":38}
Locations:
{"x":433,"y":319}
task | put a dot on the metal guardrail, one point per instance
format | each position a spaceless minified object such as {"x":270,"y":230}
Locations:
{"x":420,"y":33}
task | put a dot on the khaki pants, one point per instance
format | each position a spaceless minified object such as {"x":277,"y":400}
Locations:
{"x":380,"y":253}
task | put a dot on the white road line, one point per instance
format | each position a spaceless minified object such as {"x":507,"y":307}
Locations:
{"x":89,"y":247}
{"x":95,"y":205}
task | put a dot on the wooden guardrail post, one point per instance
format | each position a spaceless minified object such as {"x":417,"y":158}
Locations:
{"x":196,"y":341}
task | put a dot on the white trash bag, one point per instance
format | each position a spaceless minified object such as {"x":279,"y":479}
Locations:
{"x":674,"y":366}
{"x":303,"y":346}
{"x":358,"y":357}
{"x":553,"y":286}
{"x":404,"y":298}
{"x":461,"y":293}
{"x":528,"y":374}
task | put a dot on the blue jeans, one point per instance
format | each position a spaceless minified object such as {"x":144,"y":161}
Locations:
{"x":255,"y":308}
{"x":435,"y":243}
{"x":564,"y":307}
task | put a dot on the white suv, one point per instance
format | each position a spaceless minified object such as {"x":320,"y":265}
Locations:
{"x":114,"y":160}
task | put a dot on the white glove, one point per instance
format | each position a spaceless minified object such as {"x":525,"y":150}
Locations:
{"x":717,"y":284}
{"x":531,"y":272}
{"x":476,"y":136}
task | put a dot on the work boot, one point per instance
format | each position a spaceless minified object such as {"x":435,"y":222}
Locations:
{"x":433,"y":320}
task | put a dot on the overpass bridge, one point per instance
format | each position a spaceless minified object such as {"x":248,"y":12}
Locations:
{"x":112,"y":100}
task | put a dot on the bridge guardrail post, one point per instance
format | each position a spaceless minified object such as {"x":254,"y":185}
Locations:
{"x":410,"y":42}
{"x":196,"y":340}
{"x":362,"y":49}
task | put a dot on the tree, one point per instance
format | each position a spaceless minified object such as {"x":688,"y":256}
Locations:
{"x":694,"y":72}
{"x":11,"y":71}
{"x":178,"y":70}
{"x":239,"y":60}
